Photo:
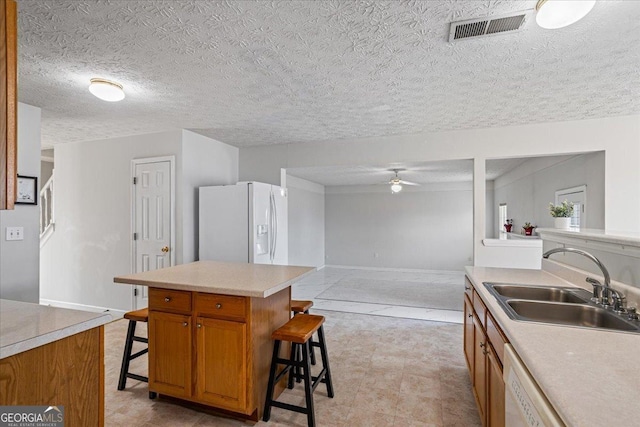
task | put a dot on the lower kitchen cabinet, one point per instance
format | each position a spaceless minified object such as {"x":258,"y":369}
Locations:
{"x":222,"y":369}
{"x":214,"y":349}
{"x":495,"y":390}
{"x":483,"y":352}
{"x":170,"y":344}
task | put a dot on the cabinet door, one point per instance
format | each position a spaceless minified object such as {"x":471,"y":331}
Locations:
{"x":480,"y":369}
{"x":495,"y":390}
{"x":170,"y":354}
{"x":221,"y":377}
{"x":468,"y":335}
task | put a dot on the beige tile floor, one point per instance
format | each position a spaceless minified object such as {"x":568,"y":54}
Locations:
{"x":386,"y":372}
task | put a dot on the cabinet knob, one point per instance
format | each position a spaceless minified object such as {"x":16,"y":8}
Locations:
{"x":199,"y":325}
{"x":467,"y":288}
{"x":185,"y":324}
{"x":167,"y":299}
{"x":482,"y":344}
{"x":218,"y":305}
{"x":469,"y":315}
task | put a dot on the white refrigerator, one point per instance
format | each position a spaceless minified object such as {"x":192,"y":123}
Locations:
{"x":246,"y":222}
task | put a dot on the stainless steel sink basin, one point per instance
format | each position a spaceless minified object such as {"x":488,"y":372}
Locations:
{"x":570,"y":314}
{"x":543,"y":293}
{"x":565,"y":306}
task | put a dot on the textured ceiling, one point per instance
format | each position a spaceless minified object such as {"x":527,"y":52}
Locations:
{"x":420,"y":173}
{"x":268,"y":72}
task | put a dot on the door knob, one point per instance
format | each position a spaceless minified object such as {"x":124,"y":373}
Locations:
{"x":165,"y":249}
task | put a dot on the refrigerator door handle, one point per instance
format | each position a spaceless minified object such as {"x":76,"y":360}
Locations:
{"x":275,"y":226}
{"x":271,"y":228}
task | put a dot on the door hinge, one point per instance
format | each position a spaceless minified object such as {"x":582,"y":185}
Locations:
{"x":135,"y":236}
{"x":135,"y":292}
{"x":135,"y":180}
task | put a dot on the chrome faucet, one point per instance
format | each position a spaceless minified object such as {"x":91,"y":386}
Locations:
{"x":606,"y":289}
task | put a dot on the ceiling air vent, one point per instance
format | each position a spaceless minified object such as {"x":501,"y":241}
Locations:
{"x":474,"y":28}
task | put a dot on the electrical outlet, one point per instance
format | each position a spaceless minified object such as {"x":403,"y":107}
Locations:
{"x":15,"y":233}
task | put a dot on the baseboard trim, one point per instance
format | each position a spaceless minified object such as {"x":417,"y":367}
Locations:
{"x":399,"y":270}
{"x":117,"y":314}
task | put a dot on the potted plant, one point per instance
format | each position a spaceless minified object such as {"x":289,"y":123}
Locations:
{"x":528,"y":228}
{"x":562,"y":214}
{"x":508,"y":225}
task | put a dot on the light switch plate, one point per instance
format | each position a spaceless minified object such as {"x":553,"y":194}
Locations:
{"x":15,"y":233}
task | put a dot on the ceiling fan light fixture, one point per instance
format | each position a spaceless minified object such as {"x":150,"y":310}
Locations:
{"x":106,"y":90}
{"x":396,"y":188}
{"x":553,"y":14}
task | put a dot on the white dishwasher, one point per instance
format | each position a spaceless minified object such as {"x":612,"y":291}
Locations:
{"x":525,"y":405}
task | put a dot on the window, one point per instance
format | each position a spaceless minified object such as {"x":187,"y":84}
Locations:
{"x":577,"y":196}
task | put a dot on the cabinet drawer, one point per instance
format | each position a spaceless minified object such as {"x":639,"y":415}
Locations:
{"x":221,"y":306}
{"x":468,"y":288}
{"x":496,"y":337}
{"x":479,"y":308}
{"x":169,"y":300}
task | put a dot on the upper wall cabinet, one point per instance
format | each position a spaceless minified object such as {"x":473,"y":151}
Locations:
{"x":8,"y":102}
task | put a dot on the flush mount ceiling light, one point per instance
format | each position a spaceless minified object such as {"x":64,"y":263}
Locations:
{"x":552,"y":14}
{"x":106,"y":90}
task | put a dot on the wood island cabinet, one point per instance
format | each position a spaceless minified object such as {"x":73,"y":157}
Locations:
{"x":170,"y":344}
{"x":484,"y":349}
{"x":222,"y":369}
{"x":213,"y":349}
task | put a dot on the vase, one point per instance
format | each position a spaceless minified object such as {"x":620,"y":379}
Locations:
{"x":507,"y":227}
{"x":562,"y":222}
{"x":528,"y":231}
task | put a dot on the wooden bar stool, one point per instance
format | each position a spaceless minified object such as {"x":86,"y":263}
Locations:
{"x":298,"y":332}
{"x":141,"y":315}
{"x":303,"y":306}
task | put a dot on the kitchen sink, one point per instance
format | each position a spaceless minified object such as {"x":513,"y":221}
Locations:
{"x":570,"y":314}
{"x":543,"y":293}
{"x":564,"y":306}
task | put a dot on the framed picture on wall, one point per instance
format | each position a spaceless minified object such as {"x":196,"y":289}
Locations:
{"x":27,"y":193}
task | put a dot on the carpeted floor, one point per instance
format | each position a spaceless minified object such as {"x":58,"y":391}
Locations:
{"x":431,"y":294}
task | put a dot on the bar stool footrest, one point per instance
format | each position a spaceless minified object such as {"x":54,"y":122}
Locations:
{"x":138,"y":377}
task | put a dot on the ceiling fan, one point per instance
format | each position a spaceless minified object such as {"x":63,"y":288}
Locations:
{"x":397,"y":183}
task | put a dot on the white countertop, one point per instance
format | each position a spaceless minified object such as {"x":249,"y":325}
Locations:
{"x":591,"y":377}
{"x":216,"y":277}
{"x":596,"y":235}
{"x":24,"y":326}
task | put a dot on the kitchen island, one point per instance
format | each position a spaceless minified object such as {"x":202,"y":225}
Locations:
{"x":210,"y":326}
{"x":53,"y":356}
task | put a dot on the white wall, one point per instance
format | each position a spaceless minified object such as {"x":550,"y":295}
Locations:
{"x":91,"y":242}
{"x":19,"y":274}
{"x":205,"y":161}
{"x":619,"y":137}
{"x":528,"y":189}
{"x":428,"y":228}
{"x":306,"y":211}
{"x":491,"y":210}
{"x":46,"y":170}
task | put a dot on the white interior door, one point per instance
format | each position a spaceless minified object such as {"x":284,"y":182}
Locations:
{"x":153,"y":220}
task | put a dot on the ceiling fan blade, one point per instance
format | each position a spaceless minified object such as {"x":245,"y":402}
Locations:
{"x":402,"y":181}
